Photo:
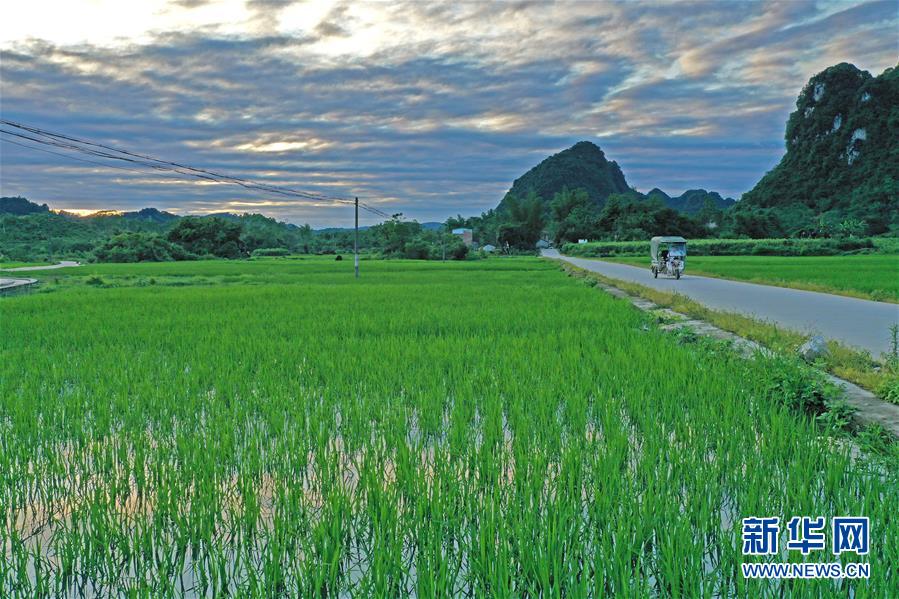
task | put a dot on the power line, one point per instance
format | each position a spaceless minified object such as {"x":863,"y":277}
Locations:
{"x":67,"y":142}
{"x":104,"y":165}
{"x":70,"y":142}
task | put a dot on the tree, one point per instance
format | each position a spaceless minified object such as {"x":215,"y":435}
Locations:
{"x":417,"y":249}
{"x":393,"y":235}
{"x":525,"y":222}
{"x":709,"y":213}
{"x":457,"y":249}
{"x":757,"y":223}
{"x":140,"y":247}
{"x":628,"y":218}
{"x":574,"y":216}
{"x":260,"y":231}
{"x":209,"y":236}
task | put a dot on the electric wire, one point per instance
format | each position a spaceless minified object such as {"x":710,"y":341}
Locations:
{"x":95,"y":149}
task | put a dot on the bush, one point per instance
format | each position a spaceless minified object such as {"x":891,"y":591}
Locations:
{"x":140,"y":247}
{"x":417,"y":249}
{"x":262,"y":252}
{"x":459,"y":251}
{"x":728,"y":247}
{"x":209,"y":236}
{"x":799,"y":386}
{"x":889,"y":389}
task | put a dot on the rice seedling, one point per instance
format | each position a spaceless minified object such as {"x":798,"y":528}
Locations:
{"x":493,"y":428}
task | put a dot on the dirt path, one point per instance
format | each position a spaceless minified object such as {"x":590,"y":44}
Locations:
{"x":856,"y":322}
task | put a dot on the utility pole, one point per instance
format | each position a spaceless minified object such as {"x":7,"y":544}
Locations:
{"x":356,"y":239}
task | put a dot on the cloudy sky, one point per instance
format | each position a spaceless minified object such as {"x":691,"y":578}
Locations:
{"x":425,"y":108}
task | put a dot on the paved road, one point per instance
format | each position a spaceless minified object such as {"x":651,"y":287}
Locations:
{"x":6,"y":284}
{"x":63,"y":264}
{"x":857,"y":322}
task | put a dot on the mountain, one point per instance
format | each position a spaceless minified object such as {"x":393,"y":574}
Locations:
{"x":18,"y":205}
{"x":692,"y":200}
{"x":151,"y":214}
{"x":842,"y":153}
{"x":583,"y":165}
{"x":657,"y":194}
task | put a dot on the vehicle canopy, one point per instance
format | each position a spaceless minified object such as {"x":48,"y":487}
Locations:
{"x":677,"y":246}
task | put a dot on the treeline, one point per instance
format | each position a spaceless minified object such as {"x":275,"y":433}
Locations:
{"x":521,"y":223}
{"x":29,"y":232}
{"x":573,"y":215}
{"x":46,"y":235}
{"x":193,"y":238}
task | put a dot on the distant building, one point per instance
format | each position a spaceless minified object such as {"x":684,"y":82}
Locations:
{"x":543,"y":244}
{"x":582,"y":241}
{"x":465,"y":234}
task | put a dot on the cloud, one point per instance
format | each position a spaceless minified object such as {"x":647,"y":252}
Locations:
{"x":426,"y":108}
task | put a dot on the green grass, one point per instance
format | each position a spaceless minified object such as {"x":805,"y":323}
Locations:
{"x":18,"y":264}
{"x":477,"y":429}
{"x":868,"y":276}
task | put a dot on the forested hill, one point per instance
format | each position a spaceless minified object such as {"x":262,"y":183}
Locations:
{"x":692,"y":201}
{"x":18,"y":205}
{"x":582,"y":166}
{"x":842,"y":152}
{"x":33,"y":232}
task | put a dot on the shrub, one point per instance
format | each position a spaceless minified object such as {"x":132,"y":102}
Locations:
{"x":728,"y":247}
{"x":262,"y":252}
{"x":459,"y":251}
{"x":140,"y":247}
{"x":417,"y":249}
{"x":208,"y":235}
{"x":798,"y":386}
{"x":889,"y":389}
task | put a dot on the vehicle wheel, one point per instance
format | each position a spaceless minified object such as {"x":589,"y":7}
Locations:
{"x":677,"y":274}
{"x":655,"y":273}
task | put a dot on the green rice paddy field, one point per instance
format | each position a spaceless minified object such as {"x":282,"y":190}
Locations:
{"x":869,"y":276}
{"x":476,"y":429}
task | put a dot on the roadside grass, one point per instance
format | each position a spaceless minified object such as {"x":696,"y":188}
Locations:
{"x":4,"y":265}
{"x":483,"y":429}
{"x":859,"y":367}
{"x":866,"y":276}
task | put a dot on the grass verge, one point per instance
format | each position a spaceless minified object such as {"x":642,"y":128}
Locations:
{"x":5,"y":265}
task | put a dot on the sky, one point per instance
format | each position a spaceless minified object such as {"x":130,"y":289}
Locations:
{"x":431,"y":109}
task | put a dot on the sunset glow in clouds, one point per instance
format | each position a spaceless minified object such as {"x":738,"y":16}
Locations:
{"x":425,"y":108}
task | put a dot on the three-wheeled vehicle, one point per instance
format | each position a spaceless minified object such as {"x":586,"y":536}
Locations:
{"x":669,"y":256}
